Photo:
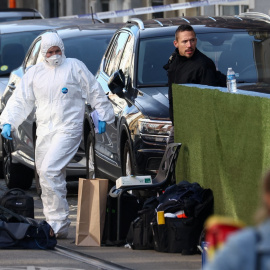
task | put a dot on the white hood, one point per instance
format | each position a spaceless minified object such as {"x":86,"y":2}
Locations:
{"x":49,"y":40}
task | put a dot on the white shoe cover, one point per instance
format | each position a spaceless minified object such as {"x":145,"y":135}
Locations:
{"x":60,"y":228}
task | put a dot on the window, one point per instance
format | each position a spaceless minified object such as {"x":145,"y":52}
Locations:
{"x":243,"y":51}
{"x":13,"y":49}
{"x":125,"y":64}
{"x":230,"y":10}
{"x":53,"y":6}
{"x":115,"y":53}
{"x":31,"y":60}
{"x":153,"y":55}
{"x":105,"y":6}
{"x":158,"y":3}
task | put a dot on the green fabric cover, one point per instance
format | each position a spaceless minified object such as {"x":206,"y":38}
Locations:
{"x":225,"y":146}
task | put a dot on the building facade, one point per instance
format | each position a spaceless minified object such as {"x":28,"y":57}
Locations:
{"x":59,"y":8}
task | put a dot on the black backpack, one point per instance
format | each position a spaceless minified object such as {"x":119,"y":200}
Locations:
{"x":140,"y":234}
{"x":18,"y":202}
{"x":18,"y":232}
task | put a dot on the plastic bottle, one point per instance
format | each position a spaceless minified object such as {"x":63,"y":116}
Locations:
{"x":231,"y":80}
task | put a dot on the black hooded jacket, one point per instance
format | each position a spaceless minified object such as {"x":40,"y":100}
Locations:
{"x":198,"y":69}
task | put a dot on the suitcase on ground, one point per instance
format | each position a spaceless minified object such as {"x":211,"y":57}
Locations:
{"x":19,"y":202}
{"x":130,"y":208}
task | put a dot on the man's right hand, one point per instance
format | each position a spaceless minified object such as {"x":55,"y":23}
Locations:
{"x":6,"y":131}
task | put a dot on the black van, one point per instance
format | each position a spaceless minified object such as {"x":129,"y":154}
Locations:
{"x":133,"y":67}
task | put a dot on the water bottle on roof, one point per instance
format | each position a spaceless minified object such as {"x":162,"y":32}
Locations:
{"x":231,"y":80}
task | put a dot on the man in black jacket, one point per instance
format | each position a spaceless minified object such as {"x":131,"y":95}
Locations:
{"x":188,"y":65}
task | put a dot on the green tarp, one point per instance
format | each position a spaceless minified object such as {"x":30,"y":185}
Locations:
{"x":225,"y":145}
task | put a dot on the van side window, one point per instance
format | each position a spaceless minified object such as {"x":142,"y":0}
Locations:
{"x":115,"y":54}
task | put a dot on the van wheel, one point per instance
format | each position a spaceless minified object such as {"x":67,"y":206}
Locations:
{"x":16,"y":175}
{"x":127,"y":166}
{"x":91,"y":168}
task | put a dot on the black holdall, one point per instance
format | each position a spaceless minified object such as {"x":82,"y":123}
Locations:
{"x":181,"y":235}
{"x":140,"y":235}
{"x":18,"y":232}
{"x":174,"y":234}
{"x":19,"y":202}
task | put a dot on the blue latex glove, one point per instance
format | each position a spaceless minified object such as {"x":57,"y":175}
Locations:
{"x":101,"y":127}
{"x":6,"y":131}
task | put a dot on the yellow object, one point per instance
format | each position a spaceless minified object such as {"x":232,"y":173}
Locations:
{"x":4,"y":68}
{"x":160,"y":218}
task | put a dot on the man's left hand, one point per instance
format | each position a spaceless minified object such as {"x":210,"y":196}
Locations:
{"x":101,"y":127}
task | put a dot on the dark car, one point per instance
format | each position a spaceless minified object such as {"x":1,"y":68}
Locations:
{"x":14,"y":14}
{"x":84,"y":42}
{"x":132,"y":74}
{"x":15,"y":39}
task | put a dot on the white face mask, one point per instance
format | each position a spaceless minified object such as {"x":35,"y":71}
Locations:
{"x":54,"y":60}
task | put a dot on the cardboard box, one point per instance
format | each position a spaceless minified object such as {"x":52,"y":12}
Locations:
{"x":132,"y":180}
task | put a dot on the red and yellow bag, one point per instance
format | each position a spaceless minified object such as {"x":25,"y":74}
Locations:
{"x":218,"y":228}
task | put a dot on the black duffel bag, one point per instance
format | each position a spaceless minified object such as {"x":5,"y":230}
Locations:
{"x":18,"y":232}
{"x":18,"y":202}
{"x":177,"y":235}
{"x":181,"y":235}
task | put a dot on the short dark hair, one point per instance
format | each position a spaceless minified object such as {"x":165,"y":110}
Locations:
{"x":182,"y":28}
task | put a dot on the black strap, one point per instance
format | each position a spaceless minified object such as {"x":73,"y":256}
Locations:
{"x":19,"y":218}
{"x":14,"y":191}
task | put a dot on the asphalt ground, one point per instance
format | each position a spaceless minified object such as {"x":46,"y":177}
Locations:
{"x":103,"y":257}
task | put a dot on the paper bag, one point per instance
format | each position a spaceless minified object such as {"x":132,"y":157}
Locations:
{"x":92,"y":198}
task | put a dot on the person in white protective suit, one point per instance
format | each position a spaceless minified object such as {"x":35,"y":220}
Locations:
{"x":58,"y":88}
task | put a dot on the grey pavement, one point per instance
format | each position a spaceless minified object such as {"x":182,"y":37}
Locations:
{"x":121,"y":256}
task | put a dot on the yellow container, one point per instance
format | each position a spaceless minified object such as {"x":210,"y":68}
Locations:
{"x":160,"y":217}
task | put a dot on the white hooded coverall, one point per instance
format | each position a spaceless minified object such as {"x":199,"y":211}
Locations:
{"x":59,"y":94}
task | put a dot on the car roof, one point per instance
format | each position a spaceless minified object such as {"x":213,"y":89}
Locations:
{"x":44,"y":24}
{"x":17,"y":10}
{"x":201,"y":24}
{"x":20,"y":12}
{"x":81,"y":30}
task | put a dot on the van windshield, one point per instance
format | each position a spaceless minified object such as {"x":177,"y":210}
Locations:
{"x":13,"y":48}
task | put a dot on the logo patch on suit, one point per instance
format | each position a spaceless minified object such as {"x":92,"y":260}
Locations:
{"x":64,"y":90}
